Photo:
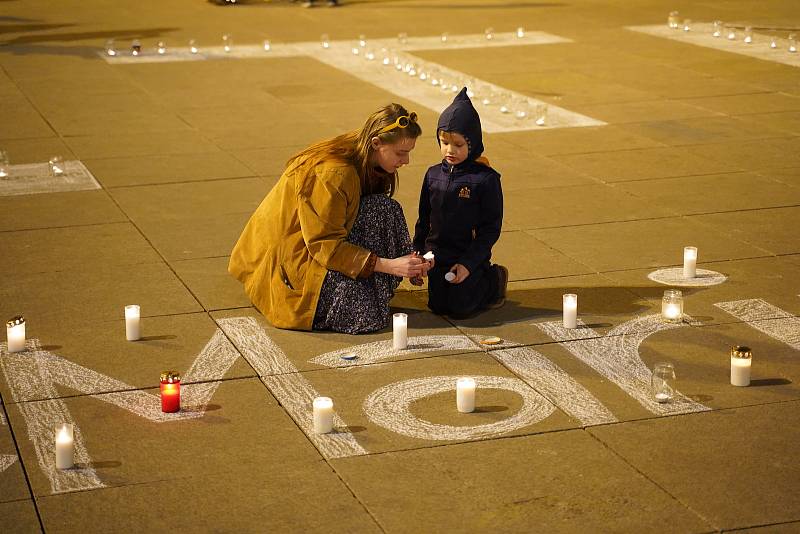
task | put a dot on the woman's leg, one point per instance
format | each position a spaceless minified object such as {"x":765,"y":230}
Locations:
{"x":362,"y":305}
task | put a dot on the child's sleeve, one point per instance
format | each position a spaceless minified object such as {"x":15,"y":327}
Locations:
{"x":423,"y":225}
{"x":487,"y":231}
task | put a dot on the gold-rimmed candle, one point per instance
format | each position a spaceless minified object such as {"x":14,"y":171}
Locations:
{"x":741,"y":362}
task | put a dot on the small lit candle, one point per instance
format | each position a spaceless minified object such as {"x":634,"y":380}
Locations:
{"x":326,"y":41}
{"x":400,"y":331}
{"x":570,"y":301}
{"x":193,"y":46}
{"x":520,"y":32}
{"x":267,"y":45}
{"x":689,"y":262}
{"x":132,"y":330}
{"x":161,"y":48}
{"x":136,"y":47}
{"x":65,"y":446}
{"x":741,"y":361}
{"x":465,"y":395}
{"x":170,"y":389}
{"x":323,"y":415}
{"x":15,"y":334}
{"x":672,"y":306}
{"x":227,"y":42}
{"x":56,"y":166}
{"x":450,"y":276}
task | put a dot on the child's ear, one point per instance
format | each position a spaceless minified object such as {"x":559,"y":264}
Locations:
{"x":375,"y":142}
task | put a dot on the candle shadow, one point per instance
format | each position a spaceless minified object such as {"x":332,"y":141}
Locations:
{"x":770,"y":382}
{"x":352,"y":429}
{"x":595,"y":325}
{"x":108,"y":464}
{"x":701,"y":398}
{"x":51,"y":347}
{"x":158,"y":338}
{"x":489,"y":409}
{"x":201,"y":409}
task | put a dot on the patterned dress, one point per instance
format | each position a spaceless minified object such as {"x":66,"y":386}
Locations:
{"x":362,"y":305}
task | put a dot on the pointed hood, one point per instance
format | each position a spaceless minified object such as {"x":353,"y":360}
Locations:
{"x":461,"y":117}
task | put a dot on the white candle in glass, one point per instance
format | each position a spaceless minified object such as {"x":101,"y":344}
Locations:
{"x":570,"y":301}
{"x":465,"y":395}
{"x":689,"y":262}
{"x":672,"y":311}
{"x":132,"y":330}
{"x":15,"y":334}
{"x":400,"y":331}
{"x":672,"y":306}
{"x":323,"y":415}
{"x":65,"y":446}
{"x":741,"y":362}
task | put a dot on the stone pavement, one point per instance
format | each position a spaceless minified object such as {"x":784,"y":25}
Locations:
{"x":690,"y":145}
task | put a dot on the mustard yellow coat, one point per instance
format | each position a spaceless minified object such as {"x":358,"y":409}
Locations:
{"x":295,"y":236}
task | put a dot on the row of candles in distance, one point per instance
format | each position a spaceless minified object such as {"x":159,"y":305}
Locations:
{"x":325,"y":40}
{"x":56,"y":165}
{"x":720,"y":29}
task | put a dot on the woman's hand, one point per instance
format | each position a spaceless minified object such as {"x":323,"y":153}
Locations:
{"x":407,"y":266}
{"x":461,"y":273}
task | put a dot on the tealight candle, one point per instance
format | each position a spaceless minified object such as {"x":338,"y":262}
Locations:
{"x":672,"y":306}
{"x":111,"y":48}
{"x":520,"y":32}
{"x":689,"y":262}
{"x":15,"y":334}
{"x":570,"y":302}
{"x":325,"y":39}
{"x":741,"y":361}
{"x":132,"y":330}
{"x":661,"y":382}
{"x":56,"y":166}
{"x":323,"y":415}
{"x":161,"y":48}
{"x":65,"y":446}
{"x":400,"y":331}
{"x":4,"y":164}
{"x":792,"y":43}
{"x":170,"y":389}
{"x":748,"y":35}
{"x":227,"y":42}
{"x":465,"y":395}
{"x":136,"y":47}
{"x":267,"y":45}
{"x":193,"y":46}
{"x":717,"y":28}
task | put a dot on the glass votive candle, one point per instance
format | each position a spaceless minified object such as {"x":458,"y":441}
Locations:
{"x":56,"y":164}
{"x":15,"y":334}
{"x":227,"y":42}
{"x":672,"y":19}
{"x":370,"y":55}
{"x":717,"y":28}
{"x":325,"y":41}
{"x":541,"y":114}
{"x":267,"y":45}
{"x":741,"y":362}
{"x":489,"y":33}
{"x":520,"y":32}
{"x":193,"y":46}
{"x":402,"y":38}
{"x":362,"y":40}
{"x":672,"y":306}
{"x":136,"y":47}
{"x":773,"y":43}
{"x":4,"y":164}
{"x":687,"y":25}
{"x":730,"y":33}
{"x":161,"y":48}
{"x":521,"y":108}
{"x":748,"y":34}
{"x":661,"y":382}
{"x":170,"y":389}
{"x":111,"y":48}
{"x":444,"y":37}
{"x":793,"y":42}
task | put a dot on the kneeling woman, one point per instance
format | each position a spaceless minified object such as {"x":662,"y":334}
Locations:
{"x":328,"y":245}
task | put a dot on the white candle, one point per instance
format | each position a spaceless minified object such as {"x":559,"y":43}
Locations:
{"x":323,"y":415}
{"x":65,"y":446}
{"x":15,"y":334}
{"x":741,"y":361}
{"x":400,"y":331}
{"x":671,"y":311}
{"x":465,"y":395}
{"x":132,"y":332}
{"x":689,"y":262}
{"x":570,"y":301}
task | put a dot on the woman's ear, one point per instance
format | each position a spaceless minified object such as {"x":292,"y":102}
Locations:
{"x":375,"y":142}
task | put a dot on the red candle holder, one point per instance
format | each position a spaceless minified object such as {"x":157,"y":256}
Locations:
{"x":170,"y":391}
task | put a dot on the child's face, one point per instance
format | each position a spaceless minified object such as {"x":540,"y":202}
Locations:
{"x":454,"y":147}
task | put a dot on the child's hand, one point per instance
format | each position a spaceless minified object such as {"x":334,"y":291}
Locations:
{"x":461,"y":273}
{"x":416,"y":280}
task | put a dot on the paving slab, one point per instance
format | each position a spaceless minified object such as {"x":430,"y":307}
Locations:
{"x":709,"y":130}
{"x":13,"y":486}
{"x":753,"y":155}
{"x":689,"y":448}
{"x":279,"y":497}
{"x":209,"y":281}
{"x":96,"y":294}
{"x":713,"y":193}
{"x":153,"y":143}
{"x":592,"y":246}
{"x":36,"y":150}
{"x":20,"y":517}
{"x":631,"y":112}
{"x":266,"y":161}
{"x":649,"y":163}
{"x":530,"y":171}
{"x":527,"y":258}
{"x":148,"y":170}
{"x":582,"y":140}
{"x":768,"y":229}
{"x":52,"y":210}
{"x":560,"y":482}
{"x":194,"y":237}
{"x":748,"y":103}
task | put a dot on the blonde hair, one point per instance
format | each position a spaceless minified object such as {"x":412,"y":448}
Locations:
{"x":356,"y":149}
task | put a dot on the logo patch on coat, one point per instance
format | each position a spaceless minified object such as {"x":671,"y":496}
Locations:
{"x":464,"y":192}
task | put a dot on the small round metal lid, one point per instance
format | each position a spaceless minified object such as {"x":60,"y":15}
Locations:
{"x":170,"y":376}
{"x":741,"y":352}
{"x":15,"y":321}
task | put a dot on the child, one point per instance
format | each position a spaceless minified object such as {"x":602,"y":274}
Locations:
{"x":460,"y":216}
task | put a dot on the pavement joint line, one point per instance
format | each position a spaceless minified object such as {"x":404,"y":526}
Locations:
{"x":180,"y":182}
{"x":762,"y":525}
{"x":624,"y":460}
